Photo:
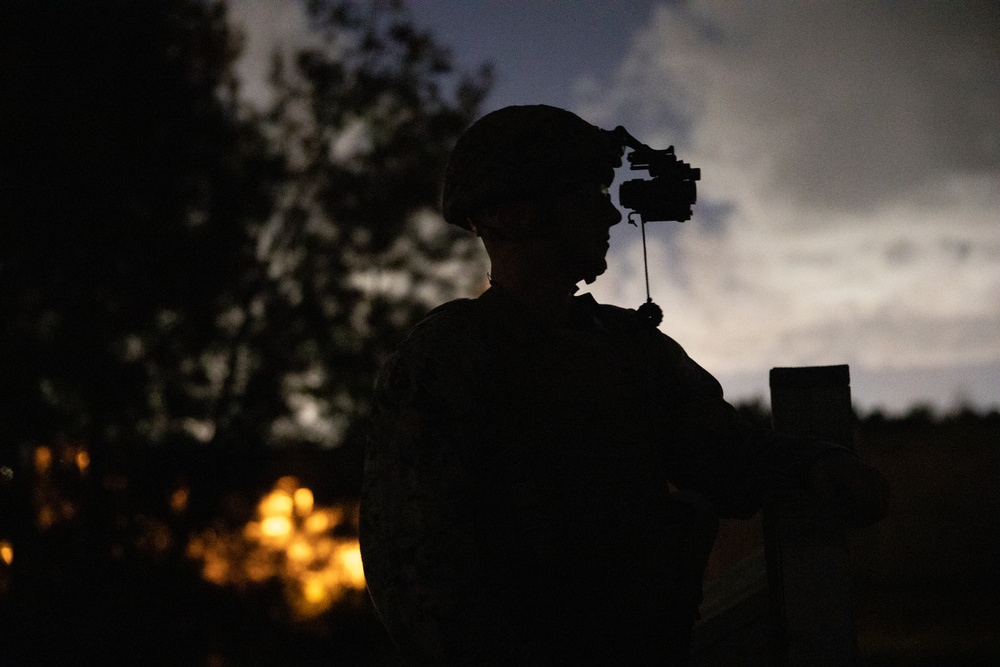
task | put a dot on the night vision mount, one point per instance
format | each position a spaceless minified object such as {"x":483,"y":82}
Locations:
{"x":667,"y":196}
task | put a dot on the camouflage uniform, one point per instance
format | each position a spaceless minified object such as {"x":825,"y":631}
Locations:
{"x":516,"y":507}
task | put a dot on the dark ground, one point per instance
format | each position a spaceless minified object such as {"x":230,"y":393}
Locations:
{"x":927,"y":580}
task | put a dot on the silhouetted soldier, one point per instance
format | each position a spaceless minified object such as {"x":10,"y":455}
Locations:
{"x":516,"y":508}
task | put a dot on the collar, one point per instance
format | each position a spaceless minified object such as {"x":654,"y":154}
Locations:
{"x":583,"y":313}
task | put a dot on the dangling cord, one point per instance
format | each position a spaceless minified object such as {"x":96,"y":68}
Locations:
{"x":645,"y":262}
{"x":649,"y":311}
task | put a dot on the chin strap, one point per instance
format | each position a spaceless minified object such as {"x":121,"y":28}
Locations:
{"x":648,"y":311}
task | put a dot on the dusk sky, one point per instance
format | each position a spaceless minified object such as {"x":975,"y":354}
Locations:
{"x":849,"y":207}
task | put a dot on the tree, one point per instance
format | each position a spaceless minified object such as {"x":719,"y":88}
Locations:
{"x":177,"y":265}
{"x":353,"y":252}
{"x":128,"y":181}
{"x":181,"y":272}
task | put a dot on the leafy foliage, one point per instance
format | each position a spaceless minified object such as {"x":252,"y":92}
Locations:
{"x":353,"y":255}
{"x":178,"y":265}
{"x":188,"y":282}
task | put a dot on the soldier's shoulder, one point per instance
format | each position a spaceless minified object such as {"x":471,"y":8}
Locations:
{"x":631,"y":323}
{"x":616,"y":315}
{"x":445,"y":326}
{"x":446,"y":338}
{"x":439,"y":360}
{"x":452,"y":312}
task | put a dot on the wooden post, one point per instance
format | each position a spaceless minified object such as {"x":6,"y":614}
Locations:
{"x":808,"y":567}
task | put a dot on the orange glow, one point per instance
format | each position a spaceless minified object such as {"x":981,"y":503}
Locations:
{"x":276,"y":503}
{"x":46,"y":516}
{"x":43,"y":459}
{"x":6,"y":552}
{"x":54,"y":495}
{"x":276,"y":527}
{"x":320,"y":521}
{"x":159,"y":538}
{"x":314,"y":590}
{"x":196,"y":547}
{"x":300,"y":551}
{"x":348,"y":558}
{"x":251,"y":531}
{"x":260,"y":565}
{"x":288,"y":484}
{"x":82,"y":460}
{"x":289,"y":540}
{"x":303,"y":499}
{"x":216,"y":570}
{"x":179,"y":499}
{"x":325,"y":546}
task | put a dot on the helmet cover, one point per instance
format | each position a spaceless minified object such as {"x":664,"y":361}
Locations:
{"x":524,"y":152}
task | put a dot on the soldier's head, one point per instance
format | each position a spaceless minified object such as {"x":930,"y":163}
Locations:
{"x":535,"y":176}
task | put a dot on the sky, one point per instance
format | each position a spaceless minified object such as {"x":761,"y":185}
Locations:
{"x":849,"y":207}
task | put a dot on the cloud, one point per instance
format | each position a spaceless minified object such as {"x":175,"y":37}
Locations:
{"x":853,"y":150}
{"x":267,"y":29}
{"x":830,"y":105}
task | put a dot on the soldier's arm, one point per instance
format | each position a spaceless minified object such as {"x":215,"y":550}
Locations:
{"x":717,"y":453}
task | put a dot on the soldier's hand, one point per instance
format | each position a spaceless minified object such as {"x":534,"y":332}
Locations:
{"x":847,"y":487}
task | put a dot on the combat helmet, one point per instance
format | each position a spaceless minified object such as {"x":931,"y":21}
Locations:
{"x":523,"y":152}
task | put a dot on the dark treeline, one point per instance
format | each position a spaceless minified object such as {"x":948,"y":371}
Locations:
{"x":757,"y":411}
{"x":925,"y":578}
{"x":181,"y":266}
{"x":195,"y":293}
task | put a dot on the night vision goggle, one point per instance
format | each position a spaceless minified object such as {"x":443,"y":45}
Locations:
{"x":668,"y":195}
{"x":671,"y":191}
